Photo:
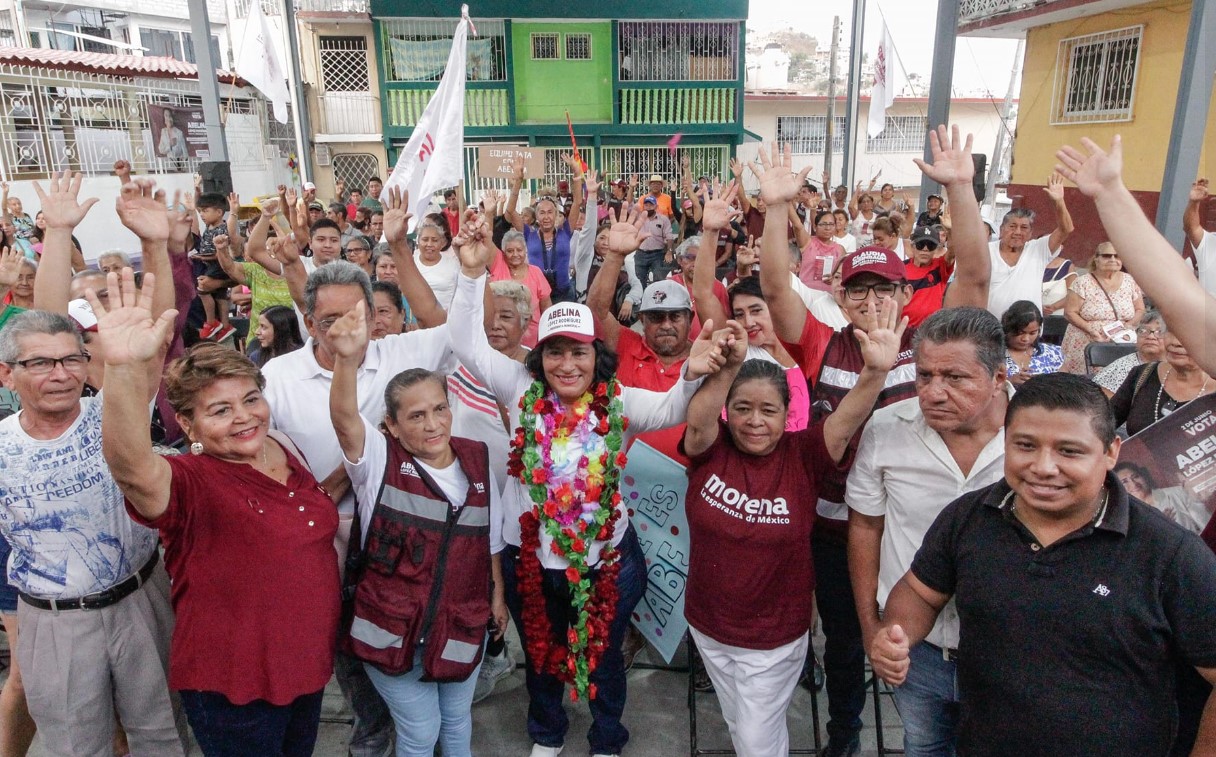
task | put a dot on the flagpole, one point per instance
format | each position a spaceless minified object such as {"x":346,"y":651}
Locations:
{"x":302,"y":126}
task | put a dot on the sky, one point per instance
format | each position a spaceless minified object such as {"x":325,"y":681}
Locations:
{"x":981,"y":63}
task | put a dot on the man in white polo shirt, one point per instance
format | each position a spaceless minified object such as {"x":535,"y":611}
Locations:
{"x":1018,"y":260}
{"x":1203,"y":240}
{"x":915,"y":457}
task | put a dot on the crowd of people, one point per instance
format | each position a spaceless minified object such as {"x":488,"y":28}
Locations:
{"x":269,"y":457}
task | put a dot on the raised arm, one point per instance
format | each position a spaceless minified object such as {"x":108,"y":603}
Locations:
{"x":953,"y":168}
{"x":233,"y":223}
{"x":511,"y":212}
{"x":576,"y":186}
{"x":801,"y":236}
{"x":256,"y":248}
{"x":778,"y":188}
{"x":716,"y":216}
{"x":132,"y":341}
{"x":706,"y":405}
{"x":423,"y":303}
{"x":623,"y":238}
{"x":582,"y":252}
{"x":879,"y":341}
{"x":8,"y":217}
{"x":1190,"y":217}
{"x":348,"y":338}
{"x":62,"y":213}
{"x":223,"y":255}
{"x":1189,"y":311}
{"x":736,"y":170}
{"x":1064,"y":226}
{"x":157,"y":229}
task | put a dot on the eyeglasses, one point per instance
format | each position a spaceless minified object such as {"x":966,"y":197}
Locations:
{"x":40,"y":366}
{"x":827,"y":224}
{"x":325,"y":325}
{"x":1108,"y":256}
{"x":1145,"y":331}
{"x":675,"y":316}
{"x":357,"y":251}
{"x":883,"y":290}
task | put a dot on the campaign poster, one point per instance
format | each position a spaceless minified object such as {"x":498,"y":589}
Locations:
{"x":178,"y":134}
{"x":1171,"y":465}
{"x":653,"y":487}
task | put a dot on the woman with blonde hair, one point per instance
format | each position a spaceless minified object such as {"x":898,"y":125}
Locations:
{"x":1104,"y":306}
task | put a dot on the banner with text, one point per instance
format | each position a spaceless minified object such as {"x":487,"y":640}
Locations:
{"x":653,"y":487}
{"x":178,"y":133}
{"x":494,"y":161}
{"x":1171,"y":465}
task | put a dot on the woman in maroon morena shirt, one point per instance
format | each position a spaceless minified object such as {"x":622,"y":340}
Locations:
{"x":752,"y":489}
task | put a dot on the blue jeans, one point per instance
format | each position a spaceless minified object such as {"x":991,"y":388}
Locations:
{"x":647,"y":263}
{"x":547,"y":721}
{"x":928,"y":703}
{"x":257,"y":729}
{"x":844,"y":658}
{"x":426,"y":712}
{"x":372,"y":732}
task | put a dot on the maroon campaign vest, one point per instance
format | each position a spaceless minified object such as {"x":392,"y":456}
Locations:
{"x":425,"y":575}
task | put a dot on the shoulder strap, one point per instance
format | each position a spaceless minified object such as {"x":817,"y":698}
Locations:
{"x":1142,"y":379}
{"x":286,"y":443}
{"x":1114,"y":310}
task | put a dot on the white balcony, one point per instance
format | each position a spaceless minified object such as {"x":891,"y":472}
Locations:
{"x":342,"y":7}
{"x":1011,"y":18}
{"x":348,"y":115}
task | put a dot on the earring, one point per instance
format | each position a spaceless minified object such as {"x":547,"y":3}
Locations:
{"x":196,"y":448}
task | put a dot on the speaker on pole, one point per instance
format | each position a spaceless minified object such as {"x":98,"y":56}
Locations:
{"x":217,"y":176}
{"x":979,"y":182}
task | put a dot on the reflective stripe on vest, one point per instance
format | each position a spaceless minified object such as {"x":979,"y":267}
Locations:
{"x":428,"y":508}
{"x":373,"y":635}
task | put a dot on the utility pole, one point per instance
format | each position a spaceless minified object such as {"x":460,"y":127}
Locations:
{"x":942,"y":83}
{"x":995,"y":165}
{"x":831,"y":128}
{"x":208,"y":88}
{"x":854,"y":94}
{"x":295,"y":81}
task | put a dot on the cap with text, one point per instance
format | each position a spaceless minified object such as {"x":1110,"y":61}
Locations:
{"x":876,"y":260}
{"x":81,"y":313}
{"x":665,"y":295}
{"x":569,"y":319}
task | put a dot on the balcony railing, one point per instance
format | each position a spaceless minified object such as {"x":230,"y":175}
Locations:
{"x":646,"y":106}
{"x":333,"y":6}
{"x":482,"y":107}
{"x":970,"y":11}
{"x":349,"y":113}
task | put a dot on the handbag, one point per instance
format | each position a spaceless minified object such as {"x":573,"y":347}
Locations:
{"x":1117,"y":331}
{"x":1055,"y":289}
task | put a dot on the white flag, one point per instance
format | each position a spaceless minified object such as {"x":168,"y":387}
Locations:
{"x":258,"y":62}
{"x":434,"y":157}
{"x":883,"y":93}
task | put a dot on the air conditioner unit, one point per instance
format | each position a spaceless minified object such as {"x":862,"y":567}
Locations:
{"x":324,"y":158}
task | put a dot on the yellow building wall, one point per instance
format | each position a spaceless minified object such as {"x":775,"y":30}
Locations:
{"x":1146,"y":136}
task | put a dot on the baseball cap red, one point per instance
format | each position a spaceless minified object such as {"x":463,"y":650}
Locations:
{"x":569,"y":319}
{"x":876,"y":260}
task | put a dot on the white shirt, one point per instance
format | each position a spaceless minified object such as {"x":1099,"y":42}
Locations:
{"x":1021,"y":281}
{"x":367,"y":477}
{"x":297,"y":389}
{"x":848,"y":242}
{"x":1205,"y":257}
{"x":441,"y":276}
{"x":509,"y":380}
{"x":476,"y":415}
{"x":904,"y":472}
{"x":821,"y":304}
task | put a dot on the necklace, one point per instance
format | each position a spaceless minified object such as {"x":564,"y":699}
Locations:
{"x":1099,"y":514}
{"x":1157,"y":414}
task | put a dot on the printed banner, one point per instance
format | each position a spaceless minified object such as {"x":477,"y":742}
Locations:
{"x":494,"y":161}
{"x":653,"y":486}
{"x":425,"y":59}
{"x":178,"y":133}
{"x":1171,"y":465}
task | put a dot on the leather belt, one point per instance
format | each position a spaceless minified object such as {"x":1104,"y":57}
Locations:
{"x":101,"y":599}
{"x":949,"y":654}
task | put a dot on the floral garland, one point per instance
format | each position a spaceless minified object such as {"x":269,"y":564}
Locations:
{"x":570,"y":462}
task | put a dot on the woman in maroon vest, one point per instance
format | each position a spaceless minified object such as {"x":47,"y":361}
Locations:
{"x":428,"y":514}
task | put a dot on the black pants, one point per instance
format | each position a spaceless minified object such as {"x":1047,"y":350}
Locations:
{"x":844,"y":657}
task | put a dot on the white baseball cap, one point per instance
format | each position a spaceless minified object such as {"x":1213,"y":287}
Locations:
{"x":81,"y":313}
{"x":309,"y":186}
{"x":665,"y":295}
{"x":569,"y":319}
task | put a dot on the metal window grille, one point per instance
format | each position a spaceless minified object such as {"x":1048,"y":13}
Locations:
{"x":1095,"y":77}
{"x":413,"y":49}
{"x":8,"y":34}
{"x":678,"y":51}
{"x":806,"y":135}
{"x":900,"y":134}
{"x":578,"y":47}
{"x":344,"y":64}
{"x":269,"y":7}
{"x":355,"y":169}
{"x":644,"y":161}
{"x":544,"y":47}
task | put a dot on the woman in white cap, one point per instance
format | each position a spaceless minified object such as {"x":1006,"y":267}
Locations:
{"x":572,"y":565}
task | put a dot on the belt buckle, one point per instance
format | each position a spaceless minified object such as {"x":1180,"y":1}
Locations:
{"x":949,"y":655}
{"x":97,"y":601}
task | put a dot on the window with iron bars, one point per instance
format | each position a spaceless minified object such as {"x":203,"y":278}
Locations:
{"x":355,"y":168}
{"x":678,"y":51}
{"x":806,"y":135}
{"x":1095,"y":78}
{"x":900,"y":134}
{"x":344,"y":64}
{"x":544,"y":47}
{"x":578,"y":47}
{"x":642,"y":162}
{"x":416,"y":49}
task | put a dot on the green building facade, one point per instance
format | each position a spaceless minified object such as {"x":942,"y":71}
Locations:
{"x":629,"y":84}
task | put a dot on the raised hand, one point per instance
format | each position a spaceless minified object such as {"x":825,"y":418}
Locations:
{"x":122,"y":169}
{"x":733,"y":342}
{"x":1199,"y":191}
{"x":736,"y":169}
{"x":718,"y":213}
{"x":291,"y":197}
{"x":592,"y":181}
{"x":517,"y":168}
{"x":889,"y":655}
{"x":234,"y":202}
{"x":10,"y":266}
{"x":141,"y":212}
{"x":348,"y":335}
{"x":60,"y":207}
{"x":221,"y":242}
{"x":270,"y":206}
{"x":490,"y":199}
{"x":575,"y":163}
{"x":1055,"y":186}
{"x":283,"y":249}
{"x":826,"y":177}
{"x":1095,"y":173}
{"x":778,"y":184}
{"x":706,"y":356}
{"x":882,"y":335}
{"x":126,"y":330}
{"x":181,"y":221}
{"x":475,"y":247}
{"x":396,"y":215}
{"x":625,"y":235}
{"x":952,"y":163}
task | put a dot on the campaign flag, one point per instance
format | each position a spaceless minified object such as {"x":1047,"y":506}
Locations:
{"x":259,"y":63}
{"x":882,"y":96}
{"x":433,"y":158}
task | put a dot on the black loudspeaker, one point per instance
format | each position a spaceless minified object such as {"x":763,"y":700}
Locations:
{"x":217,"y":176}
{"x":981,"y":176}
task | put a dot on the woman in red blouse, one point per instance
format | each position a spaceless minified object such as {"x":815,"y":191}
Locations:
{"x":248,"y":536}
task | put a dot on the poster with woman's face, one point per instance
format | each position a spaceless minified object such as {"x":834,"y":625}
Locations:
{"x":178,"y":132}
{"x":1171,"y":465}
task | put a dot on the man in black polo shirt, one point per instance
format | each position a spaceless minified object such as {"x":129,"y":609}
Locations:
{"x":1076,"y":602}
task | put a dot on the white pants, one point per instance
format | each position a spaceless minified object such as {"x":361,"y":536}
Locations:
{"x":754,"y":687}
